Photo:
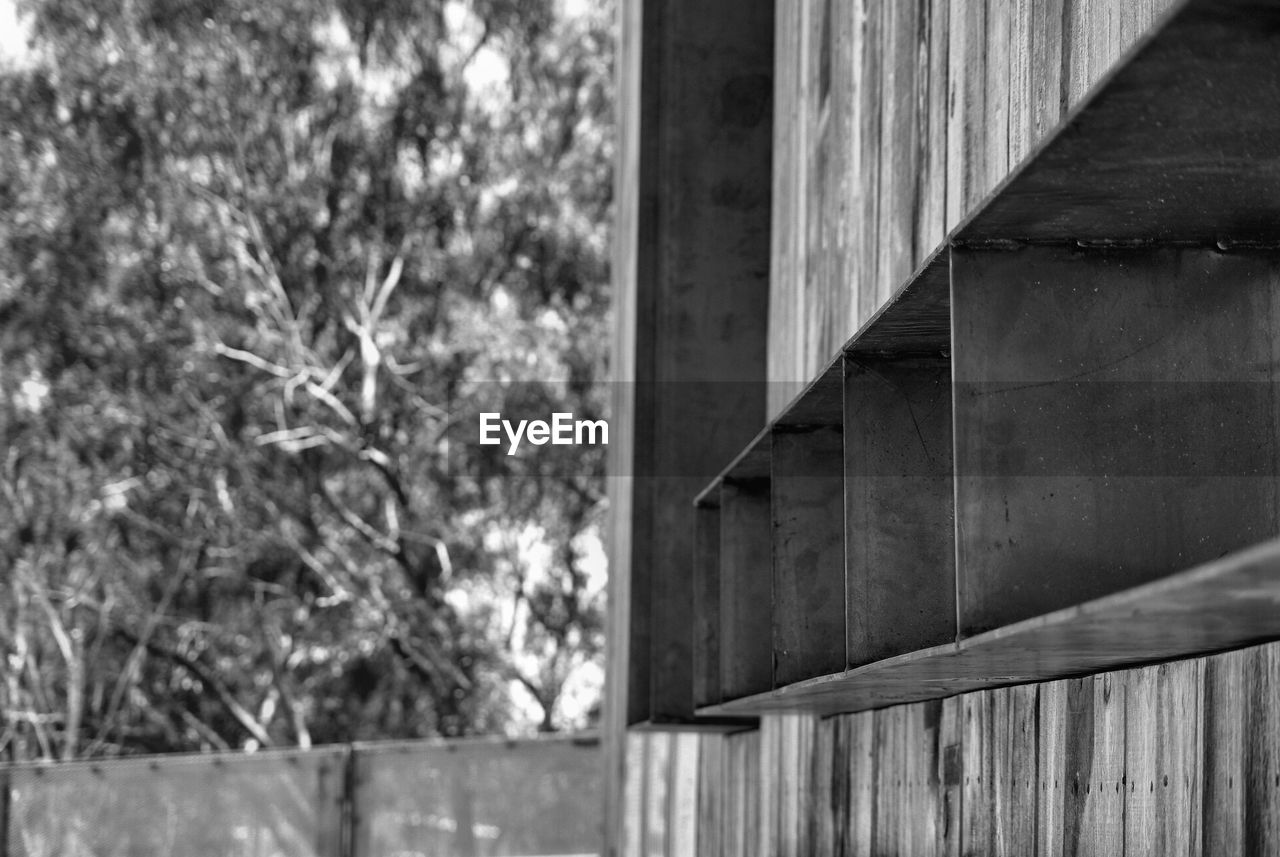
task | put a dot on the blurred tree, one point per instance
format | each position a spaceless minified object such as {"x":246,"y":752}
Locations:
{"x":255,"y":261}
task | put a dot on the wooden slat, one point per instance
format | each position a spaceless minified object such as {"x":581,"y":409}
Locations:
{"x":997,"y":95}
{"x":1224,"y":694}
{"x":864,"y":195}
{"x":712,"y":797}
{"x":980,"y":797}
{"x":950,"y":775}
{"x":825,"y":788}
{"x":657,"y":783}
{"x":886,"y":801}
{"x":745,"y":589}
{"x":898,"y":506}
{"x":1174,"y":759}
{"x":862,"y":777}
{"x":785,"y":256}
{"x":1095,"y":760}
{"x":1052,"y":786}
{"x":1163,"y":748}
{"x":899,"y":153}
{"x":808,"y":554}
{"x":683,"y":820}
{"x":1016,"y":744}
{"x":1219,"y":605}
{"x":1047,"y":46}
{"x":931,"y":87}
{"x":1262,"y":753}
{"x":967,"y":110}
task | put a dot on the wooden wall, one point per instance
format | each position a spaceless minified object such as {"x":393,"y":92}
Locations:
{"x":1181,"y":758}
{"x":892,"y":122}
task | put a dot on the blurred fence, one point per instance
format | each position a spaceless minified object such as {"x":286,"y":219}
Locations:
{"x":473,"y":798}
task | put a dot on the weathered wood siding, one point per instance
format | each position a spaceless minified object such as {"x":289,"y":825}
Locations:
{"x":892,"y":122}
{"x":1181,"y":758}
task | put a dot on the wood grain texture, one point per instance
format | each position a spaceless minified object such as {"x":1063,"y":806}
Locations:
{"x":1223,"y":763}
{"x":1164,"y":748}
{"x":826,"y":788}
{"x":712,"y":796}
{"x":683,"y":819}
{"x":862,"y":761}
{"x":1262,"y":752}
{"x":1178,"y":758}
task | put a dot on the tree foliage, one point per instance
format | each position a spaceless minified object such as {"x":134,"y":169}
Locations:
{"x":252,"y":257}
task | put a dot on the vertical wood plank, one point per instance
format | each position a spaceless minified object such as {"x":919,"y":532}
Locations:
{"x":1016,"y":748}
{"x":821,"y":816}
{"x":635,"y":793}
{"x":713,"y":795}
{"x":1046,"y":67}
{"x":682,"y":799}
{"x":808,"y":143}
{"x":966,"y":128}
{"x":1021,"y":111}
{"x":899,"y":153}
{"x":1050,"y":768}
{"x":1098,"y":770}
{"x":840,"y":200}
{"x":785,"y":293}
{"x":868,"y":150}
{"x":1181,"y":753}
{"x":950,"y":773}
{"x":1143,"y":770}
{"x":1164,"y":750}
{"x":932,"y":90}
{"x":657,"y":784}
{"x":1262,"y":752}
{"x":888,"y":774}
{"x":1223,"y":815}
{"x":752,"y":830}
{"x":863,"y":775}
{"x":998,"y":93}
{"x":788,"y":794}
{"x":981,"y":796}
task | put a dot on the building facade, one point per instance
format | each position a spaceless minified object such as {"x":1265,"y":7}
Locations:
{"x":946,"y":463}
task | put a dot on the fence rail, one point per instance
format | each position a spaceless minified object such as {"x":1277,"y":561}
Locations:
{"x":470,"y":798}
